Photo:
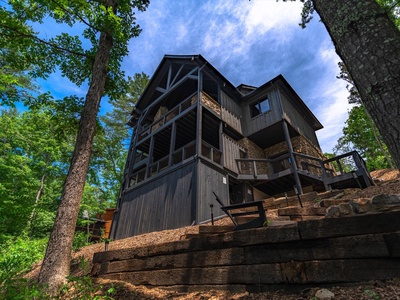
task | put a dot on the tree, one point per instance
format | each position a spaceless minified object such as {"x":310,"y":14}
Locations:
{"x":31,"y":171}
{"x":112,"y":142}
{"x":117,"y":119}
{"x":359,"y":134}
{"x":108,"y":25}
{"x":368,"y":42}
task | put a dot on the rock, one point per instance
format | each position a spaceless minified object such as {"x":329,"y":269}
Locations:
{"x":324,"y":294}
{"x":345,"y":209}
{"x":355,"y":207}
{"x":386,"y":202}
{"x":333,"y":212}
{"x":365,"y":205}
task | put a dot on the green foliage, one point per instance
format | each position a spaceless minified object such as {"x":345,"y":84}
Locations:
{"x":112,"y":140}
{"x":73,"y":55}
{"x":360,"y":134}
{"x":30,"y":171}
{"x":83,"y":287}
{"x":81,"y":239}
{"x":18,"y":255}
{"x":371,"y":294}
{"x":35,"y":151}
{"x":392,"y":7}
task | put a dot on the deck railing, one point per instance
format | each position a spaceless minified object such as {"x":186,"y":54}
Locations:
{"x":146,"y":130}
{"x":263,"y":166}
{"x":312,"y":165}
{"x":347,"y":163}
{"x":211,"y":152}
{"x":156,"y":167}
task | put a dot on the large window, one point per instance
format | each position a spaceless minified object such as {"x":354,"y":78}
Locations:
{"x":259,"y":107}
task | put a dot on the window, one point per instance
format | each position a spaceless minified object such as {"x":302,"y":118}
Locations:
{"x":259,"y":107}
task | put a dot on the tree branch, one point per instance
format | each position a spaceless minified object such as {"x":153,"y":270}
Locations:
{"x":52,"y":45}
{"x":76,"y":15}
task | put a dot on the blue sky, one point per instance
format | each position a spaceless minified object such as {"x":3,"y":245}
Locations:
{"x":249,"y":42}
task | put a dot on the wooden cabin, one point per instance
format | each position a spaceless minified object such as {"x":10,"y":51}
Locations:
{"x":195,"y":134}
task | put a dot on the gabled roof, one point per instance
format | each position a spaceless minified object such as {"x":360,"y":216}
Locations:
{"x":189,"y":62}
{"x":286,"y":87}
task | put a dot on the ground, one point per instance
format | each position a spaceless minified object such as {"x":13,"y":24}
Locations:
{"x":388,"y":182}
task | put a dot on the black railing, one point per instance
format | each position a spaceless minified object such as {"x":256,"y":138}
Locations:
{"x":211,"y":152}
{"x":178,"y":109}
{"x":350,"y":162}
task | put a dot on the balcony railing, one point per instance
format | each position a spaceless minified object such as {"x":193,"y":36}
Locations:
{"x":211,"y":152}
{"x":147,"y":129}
{"x":347,"y":163}
{"x":263,"y":166}
{"x":165,"y":162}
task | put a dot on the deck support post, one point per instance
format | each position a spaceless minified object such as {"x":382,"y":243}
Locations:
{"x":172,"y":144}
{"x":293,"y":165}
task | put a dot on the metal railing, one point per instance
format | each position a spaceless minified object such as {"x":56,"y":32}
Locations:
{"x":178,"y":109}
{"x":310,"y":164}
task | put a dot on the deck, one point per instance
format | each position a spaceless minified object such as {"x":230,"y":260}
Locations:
{"x":272,"y":176}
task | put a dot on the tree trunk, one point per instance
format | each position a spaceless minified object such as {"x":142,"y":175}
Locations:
{"x":368,"y":42}
{"x":30,"y":225}
{"x":56,"y":262}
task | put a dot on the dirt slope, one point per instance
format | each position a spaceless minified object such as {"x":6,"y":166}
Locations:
{"x":388,"y":182}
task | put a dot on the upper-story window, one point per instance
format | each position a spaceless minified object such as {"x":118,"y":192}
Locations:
{"x":259,"y":107}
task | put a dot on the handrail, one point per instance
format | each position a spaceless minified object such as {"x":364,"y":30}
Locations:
{"x":163,"y":117}
{"x":342,"y":156}
{"x":283,"y":156}
{"x":212,"y":150}
{"x":307,"y":156}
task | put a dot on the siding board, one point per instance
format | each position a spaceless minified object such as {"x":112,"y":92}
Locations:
{"x":164,"y":203}
{"x":264,"y":120}
{"x":231,"y":152}
{"x":231,"y":112}
{"x":210,"y":179}
{"x":297,"y":120}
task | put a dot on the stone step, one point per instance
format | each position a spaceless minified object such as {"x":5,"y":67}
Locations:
{"x":305,"y":211}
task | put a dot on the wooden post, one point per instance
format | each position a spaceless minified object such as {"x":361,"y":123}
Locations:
{"x":293,"y":164}
{"x":147,"y":175}
{"x":197,"y":176}
{"x":172,"y":144}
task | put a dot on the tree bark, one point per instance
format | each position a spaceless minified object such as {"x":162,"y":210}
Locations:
{"x":368,"y":42}
{"x":38,"y":195}
{"x":56,"y":262}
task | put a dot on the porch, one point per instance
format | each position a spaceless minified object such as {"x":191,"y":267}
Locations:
{"x":278,"y":175}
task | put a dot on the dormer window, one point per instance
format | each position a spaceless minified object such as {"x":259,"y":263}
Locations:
{"x":259,"y":107}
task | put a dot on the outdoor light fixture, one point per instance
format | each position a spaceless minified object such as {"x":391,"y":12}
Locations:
{"x":106,"y":242}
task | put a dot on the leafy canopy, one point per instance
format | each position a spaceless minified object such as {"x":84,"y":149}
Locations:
{"x":73,"y":55}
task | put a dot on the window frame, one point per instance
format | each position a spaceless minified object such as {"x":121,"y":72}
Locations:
{"x":256,"y":105}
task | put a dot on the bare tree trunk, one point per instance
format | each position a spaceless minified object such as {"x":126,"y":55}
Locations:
{"x":38,"y":194}
{"x":56,"y":262}
{"x":369,"y":44}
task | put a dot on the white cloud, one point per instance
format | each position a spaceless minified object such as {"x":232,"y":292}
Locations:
{"x":333,"y":104}
{"x":333,"y":112}
{"x":265,"y":16}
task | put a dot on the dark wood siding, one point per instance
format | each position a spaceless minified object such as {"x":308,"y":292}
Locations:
{"x":263,"y":120}
{"x":296,"y":119}
{"x":231,"y":152}
{"x":163,"y":203}
{"x":210,"y":179}
{"x":231,"y":112}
